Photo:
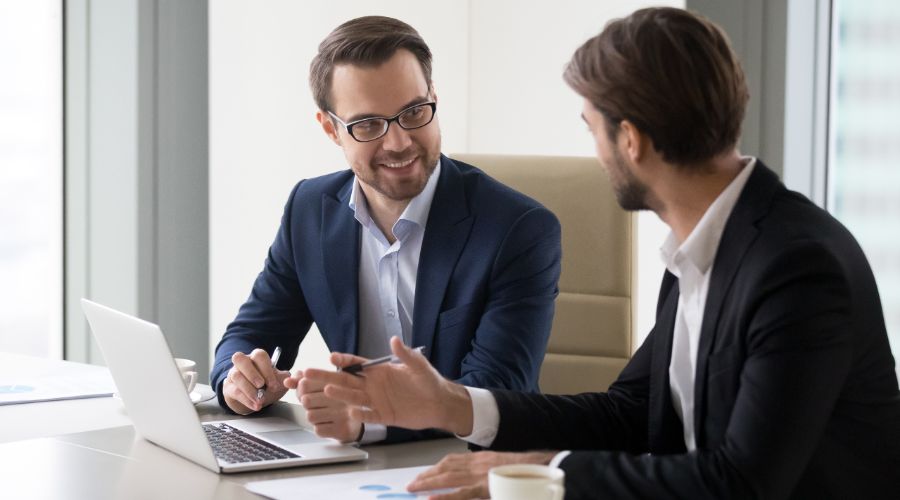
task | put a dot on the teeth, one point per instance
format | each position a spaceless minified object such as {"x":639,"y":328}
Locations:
{"x":400,"y":164}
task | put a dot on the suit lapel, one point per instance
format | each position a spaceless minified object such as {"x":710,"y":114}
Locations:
{"x":446,"y":233}
{"x":665,"y":431}
{"x":340,"y":251}
{"x":739,"y":233}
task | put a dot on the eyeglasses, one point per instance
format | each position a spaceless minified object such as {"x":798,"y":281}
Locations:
{"x":370,"y":129}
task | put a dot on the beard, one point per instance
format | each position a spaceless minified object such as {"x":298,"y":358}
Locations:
{"x":631,"y":193}
{"x":397,"y":187}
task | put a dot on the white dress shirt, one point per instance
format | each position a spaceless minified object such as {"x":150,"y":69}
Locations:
{"x":692,"y":263}
{"x":387,"y":277}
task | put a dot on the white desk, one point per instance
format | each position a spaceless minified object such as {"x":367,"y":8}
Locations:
{"x":41,"y":458}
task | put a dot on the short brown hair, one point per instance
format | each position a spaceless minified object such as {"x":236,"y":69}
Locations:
{"x":365,"y":41}
{"x":672,"y":74}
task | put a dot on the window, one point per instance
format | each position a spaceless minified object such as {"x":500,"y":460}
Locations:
{"x":863,"y":179}
{"x":31,"y":177}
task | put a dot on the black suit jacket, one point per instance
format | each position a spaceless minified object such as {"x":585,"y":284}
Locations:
{"x":796,"y":394}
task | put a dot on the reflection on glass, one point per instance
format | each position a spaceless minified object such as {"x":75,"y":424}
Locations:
{"x":864,"y":175}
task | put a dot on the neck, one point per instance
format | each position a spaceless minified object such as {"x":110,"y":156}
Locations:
{"x":685,"y":192}
{"x":384,"y":211}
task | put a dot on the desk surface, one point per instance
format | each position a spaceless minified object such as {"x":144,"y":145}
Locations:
{"x":88,"y":449}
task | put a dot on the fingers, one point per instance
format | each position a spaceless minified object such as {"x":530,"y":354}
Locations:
{"x":474,"y":491}
{"x":250,"y":373}
{"x":319,"y":400}
{"x":353,"y":397}
{"x":239,"y":393}
{"x":328,"y":414}
{"x":310,"y":386}
{"x":451,"y":471}
{"x":263,"y":364}
{"x":340,"y":360}
{"x":293,"y":381}
{"x":248,"y":368}
{"x":408,"y":356}
{"x":326,"y":377}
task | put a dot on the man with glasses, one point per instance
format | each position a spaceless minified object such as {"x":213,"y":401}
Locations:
{"x":407,"y":244}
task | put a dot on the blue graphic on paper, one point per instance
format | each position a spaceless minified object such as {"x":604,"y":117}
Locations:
{"x":374,"y":487}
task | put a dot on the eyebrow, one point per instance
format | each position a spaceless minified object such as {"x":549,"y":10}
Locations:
{"x":411,"y":103}
{"x":585,"y":119}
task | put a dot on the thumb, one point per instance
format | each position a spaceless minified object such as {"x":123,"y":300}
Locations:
{"x":340,"y":360}
{"x":408,"y":356}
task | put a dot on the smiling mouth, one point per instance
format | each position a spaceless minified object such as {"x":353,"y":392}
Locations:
{"x":399,"y":164}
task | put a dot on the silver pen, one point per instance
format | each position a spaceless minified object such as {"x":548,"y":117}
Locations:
{"x":275,"y":355}
{"x":358,"y":367}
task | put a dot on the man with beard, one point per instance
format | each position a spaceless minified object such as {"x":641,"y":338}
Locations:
{"x":768,"y":373}
{"x":406,"y":243}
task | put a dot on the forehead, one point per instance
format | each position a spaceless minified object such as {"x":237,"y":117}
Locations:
{"x":380,"y":90}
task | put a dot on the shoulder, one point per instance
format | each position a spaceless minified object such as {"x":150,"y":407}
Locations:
{"x":310,"y":191}
{"x":488,"y":194}
{"x":796,"y":238}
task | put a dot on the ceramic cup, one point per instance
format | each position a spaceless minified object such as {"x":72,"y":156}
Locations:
{"x":526,"y":482}
{"x":188,"y":369}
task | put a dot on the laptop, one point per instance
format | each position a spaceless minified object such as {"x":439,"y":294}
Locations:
{"x":151,"y":387}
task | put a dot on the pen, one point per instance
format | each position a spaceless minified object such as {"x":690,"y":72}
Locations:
{"x":275,"y":355}
{"x":358,"y":367}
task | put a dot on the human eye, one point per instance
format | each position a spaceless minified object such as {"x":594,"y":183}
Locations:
{"x":367,"y":128}
{"x":416,"y":115}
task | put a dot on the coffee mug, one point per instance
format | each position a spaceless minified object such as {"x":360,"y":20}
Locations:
{"x":526,"y":482}
{"x":188,"y":369}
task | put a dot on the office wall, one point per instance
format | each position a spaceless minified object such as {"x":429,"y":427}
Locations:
{"x":497,"y":72}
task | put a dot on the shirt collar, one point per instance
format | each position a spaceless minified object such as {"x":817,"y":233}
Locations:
{"x":416,"y":211}
{"x":702,"y":243}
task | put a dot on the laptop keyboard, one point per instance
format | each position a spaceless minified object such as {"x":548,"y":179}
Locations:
{"x":236,"y":446}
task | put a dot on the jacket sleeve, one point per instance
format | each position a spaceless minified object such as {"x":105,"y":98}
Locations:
{"x":514,"y":327}
{"x":513,"y":330}
{"x":275,"y":314}
{"x":798,"y":355}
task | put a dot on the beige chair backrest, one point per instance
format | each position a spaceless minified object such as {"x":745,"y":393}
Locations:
{"x":591,"y":337}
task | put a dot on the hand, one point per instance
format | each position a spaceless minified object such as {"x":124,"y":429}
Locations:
{"x":469,"y":473}
{"x":248,"y":374}
{"x":330,"y":417}
{"x":410,"y":394}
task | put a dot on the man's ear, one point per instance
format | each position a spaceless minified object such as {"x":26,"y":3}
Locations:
{"x":433,"y":93}
{"x":636,"y":142}
{"x":327,"y":124}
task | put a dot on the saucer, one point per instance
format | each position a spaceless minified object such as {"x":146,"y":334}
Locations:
{"x":201,"y":394}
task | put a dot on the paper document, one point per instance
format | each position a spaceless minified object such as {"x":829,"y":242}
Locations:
{"x":362,"y":485}
{"x":26,"y":379}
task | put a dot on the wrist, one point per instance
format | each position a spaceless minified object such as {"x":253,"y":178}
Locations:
{"x":457,"y":415}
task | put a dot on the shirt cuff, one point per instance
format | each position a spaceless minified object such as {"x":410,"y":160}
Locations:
{"x":485,"y":417}
{"x":558,"y":458}
{"x":373,"y":433}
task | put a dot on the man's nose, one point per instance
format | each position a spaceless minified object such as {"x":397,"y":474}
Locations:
{"x":396,"y":138}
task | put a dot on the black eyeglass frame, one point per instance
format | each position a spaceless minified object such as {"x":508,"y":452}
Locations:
{"x":388,"y":119}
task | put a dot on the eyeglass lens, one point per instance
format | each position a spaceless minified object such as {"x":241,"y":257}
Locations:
{"x":412,"y":118}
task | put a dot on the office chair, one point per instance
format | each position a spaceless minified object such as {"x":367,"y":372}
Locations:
{"x":591,"y":337}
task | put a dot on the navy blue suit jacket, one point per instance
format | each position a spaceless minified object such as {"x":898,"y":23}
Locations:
{"x":795,"y":396}
{"x":485,"y":287}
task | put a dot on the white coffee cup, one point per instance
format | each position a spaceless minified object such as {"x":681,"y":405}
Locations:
{"x":188,"y":369}
{"x":526,"y":482}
